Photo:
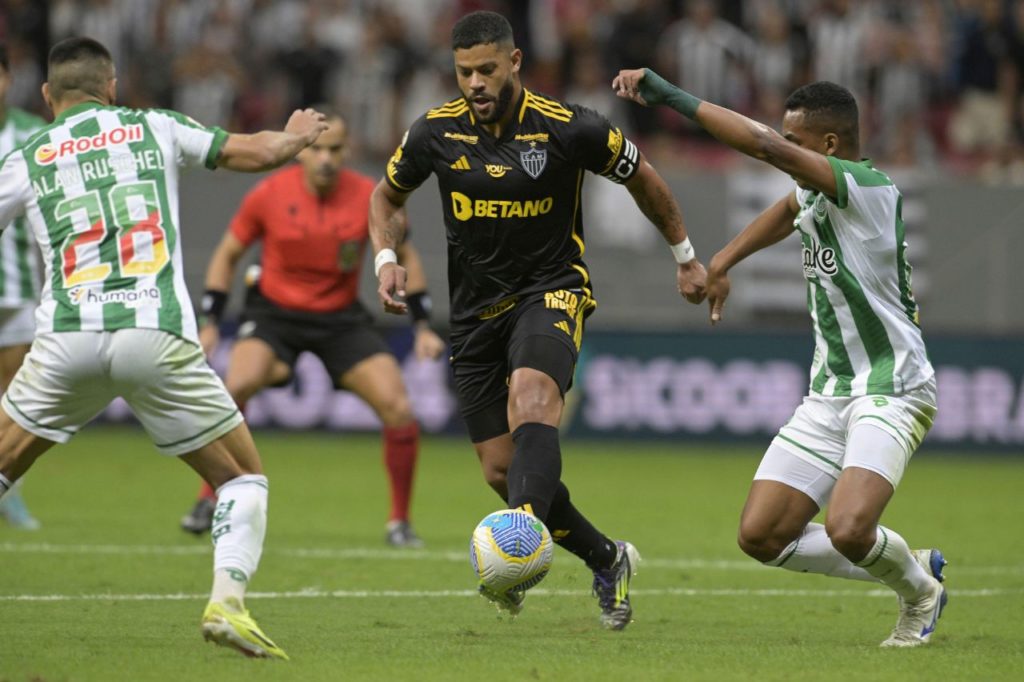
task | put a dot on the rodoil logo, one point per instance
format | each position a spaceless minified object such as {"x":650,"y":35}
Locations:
{"x":48,"y":153}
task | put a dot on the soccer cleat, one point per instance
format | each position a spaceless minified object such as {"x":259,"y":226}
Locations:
{"x":17,"y":515}
{"x":611,"y":586}
{"x":918,"y":618}
{"x":401,"y":534}
{"x":228,"y":624}
{"x":200,"y":519}
{"x":510,"y":601}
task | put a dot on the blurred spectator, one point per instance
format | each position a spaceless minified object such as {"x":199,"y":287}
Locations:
{"x":838,"y":34}
{"x":633,"y":42}
{"x":26,"y":77}
{"x":589,"y":85}
{"x":707,"y":55}
{"x":207,"y":80}
{"x":777,"y":60}
{"x":937,"y":80}
{"x":902,"y":98}
{"x":985,"y":80}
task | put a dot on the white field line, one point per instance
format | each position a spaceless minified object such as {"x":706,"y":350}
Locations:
{"x":443,"y":594}
{"x":412,"y":555}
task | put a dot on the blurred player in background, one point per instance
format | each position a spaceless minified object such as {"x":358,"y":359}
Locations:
{"x":19,"y":281}
{"x":510,"y":165}
{"x":312,"y":220}
{"x":872,"y":394}
{"x":99,"y":188}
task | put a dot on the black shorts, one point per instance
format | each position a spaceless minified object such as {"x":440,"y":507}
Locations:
{"x":341,"y":339}
{"x":539,"y":331}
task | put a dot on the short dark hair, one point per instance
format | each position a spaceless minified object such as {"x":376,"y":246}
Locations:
{"x":481,"y":28}
{"x":4,"y":62}
{"x":829,"y":107}
{"x":81,"y":64}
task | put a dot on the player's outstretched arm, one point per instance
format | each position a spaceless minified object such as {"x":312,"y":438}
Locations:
{"x":269,"y":149}
{"x":388,"y":225}
{"x":427,"y":345}
{"x":653,"y":198}
{"x":734,"y":129}
{"x":219,"y":275}
{"x":773,"y":225}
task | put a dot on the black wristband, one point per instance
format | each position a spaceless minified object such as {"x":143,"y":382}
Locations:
{"x":419,"y":306}
{"x":212,"y":305}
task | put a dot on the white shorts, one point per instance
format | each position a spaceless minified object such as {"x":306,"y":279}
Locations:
{"x":70,"y":377}
{"x":874,"y":432}
{"x":17,"y":325}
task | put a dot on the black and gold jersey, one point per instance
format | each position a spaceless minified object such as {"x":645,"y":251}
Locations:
{"x":512,"y":205}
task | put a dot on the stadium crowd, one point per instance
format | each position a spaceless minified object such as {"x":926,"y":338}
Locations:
{"x":942,"y":81}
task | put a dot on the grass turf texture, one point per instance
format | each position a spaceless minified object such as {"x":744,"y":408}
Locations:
{"x":129,"y":587}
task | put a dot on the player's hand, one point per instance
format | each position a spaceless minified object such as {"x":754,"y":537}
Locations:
{"x":427,"y":345}
{"x":718,"y":290}
{"x":392,"y":287}
{"x":692,"y":279}
{"x":209,"y":338}
{"x":307,"y":124}
{"x":627,"y":86}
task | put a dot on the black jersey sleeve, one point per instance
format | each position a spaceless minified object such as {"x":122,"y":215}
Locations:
{"x":601,"y":148}
{"x":410,"y":165}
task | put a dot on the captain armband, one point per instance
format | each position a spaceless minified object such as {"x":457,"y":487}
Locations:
{"x":627,"y":164}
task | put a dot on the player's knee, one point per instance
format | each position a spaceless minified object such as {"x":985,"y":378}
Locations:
{"x":759,"y":542}
{"x":851,"y":539}
{"x":534,"y":404}
{"x":396,"y":411}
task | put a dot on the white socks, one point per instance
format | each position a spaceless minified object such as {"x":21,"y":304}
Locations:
{"x":813,"y":552}
{"x":5,"y":485}
{"x":239,"y":526}
{"x":891,"y":562}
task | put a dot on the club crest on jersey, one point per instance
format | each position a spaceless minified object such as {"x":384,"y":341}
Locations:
{"x":48,"y":153}
{"x":534,"y":160}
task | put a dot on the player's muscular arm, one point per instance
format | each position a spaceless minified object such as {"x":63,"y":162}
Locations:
{"x":269,"y":149}
{"x":388,"y":225}
{"x":736,"y":130}
{"x":653,"y":198}
{"x":773,"y":225}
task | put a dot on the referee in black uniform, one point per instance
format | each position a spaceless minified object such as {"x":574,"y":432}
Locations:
{"x":510,"y":165}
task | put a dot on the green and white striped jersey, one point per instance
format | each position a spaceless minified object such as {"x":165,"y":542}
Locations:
{"x":866,"y":334}
{"x":99,"y":187}
{"x":19,"y":265}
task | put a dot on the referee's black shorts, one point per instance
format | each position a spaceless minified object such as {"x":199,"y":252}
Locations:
{"x":341,"y":338}
{"x":540,"y":331}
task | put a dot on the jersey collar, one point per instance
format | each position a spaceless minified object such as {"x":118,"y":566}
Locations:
{"x":77,"y":108}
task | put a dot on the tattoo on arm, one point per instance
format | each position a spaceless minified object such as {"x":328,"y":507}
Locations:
{"x":661,"y":209}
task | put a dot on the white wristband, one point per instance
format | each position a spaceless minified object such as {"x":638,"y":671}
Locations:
{"x":383,"y":257}
{"x":683,"y":252}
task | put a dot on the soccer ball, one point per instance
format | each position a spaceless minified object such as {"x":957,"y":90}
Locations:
{"x":510,"y":549}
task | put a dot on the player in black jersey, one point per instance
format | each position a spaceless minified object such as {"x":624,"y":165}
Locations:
{"x":510,"y":166}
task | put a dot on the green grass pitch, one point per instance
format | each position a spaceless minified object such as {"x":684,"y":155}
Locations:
{"x":111,"y":589}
